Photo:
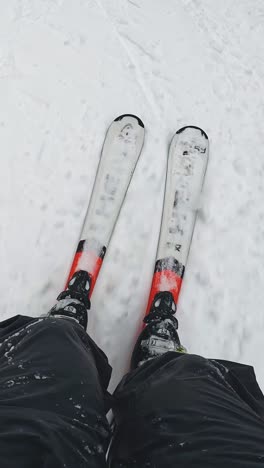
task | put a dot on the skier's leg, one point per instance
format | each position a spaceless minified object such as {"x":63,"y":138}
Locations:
{"x":184,"y":410}
{"x":176,"y":409}
{"x":53,"y":394}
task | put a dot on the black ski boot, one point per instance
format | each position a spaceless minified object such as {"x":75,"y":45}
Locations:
{"x":74,"y":302}
{"x":160,"y":334}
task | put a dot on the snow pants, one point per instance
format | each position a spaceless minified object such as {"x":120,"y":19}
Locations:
{"x":174,"y":411}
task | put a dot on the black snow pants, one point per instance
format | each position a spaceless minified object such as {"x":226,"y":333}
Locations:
{"x":174,"y":411}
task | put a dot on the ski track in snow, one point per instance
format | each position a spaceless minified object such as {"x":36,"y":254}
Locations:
{"x":66,"y":70}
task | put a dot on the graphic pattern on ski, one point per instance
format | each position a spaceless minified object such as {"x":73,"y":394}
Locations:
{"x":120,"y":153}
{"x":187,"y":163}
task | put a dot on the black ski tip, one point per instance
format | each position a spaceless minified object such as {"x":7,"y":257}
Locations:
{"x":130,"y":115}
{"x":193,"y":126}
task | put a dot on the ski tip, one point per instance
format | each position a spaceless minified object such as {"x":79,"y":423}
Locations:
{"x":130,"y":115}
{"x":193,"y":126}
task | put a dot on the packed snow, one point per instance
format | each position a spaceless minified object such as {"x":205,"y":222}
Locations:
{"x":67,"y":69}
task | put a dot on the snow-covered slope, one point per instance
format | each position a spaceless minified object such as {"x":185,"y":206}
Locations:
{"x":67,"y":68}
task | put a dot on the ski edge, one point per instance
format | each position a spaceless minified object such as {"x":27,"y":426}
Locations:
{"x":120,"y":117}
{"x":192,"y":126}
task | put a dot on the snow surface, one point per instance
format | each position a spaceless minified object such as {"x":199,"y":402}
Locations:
{"x":67,"y":68}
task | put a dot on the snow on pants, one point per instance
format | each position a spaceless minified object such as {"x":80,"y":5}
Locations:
{"x":174,"y":411}
{"x":53,"y":399}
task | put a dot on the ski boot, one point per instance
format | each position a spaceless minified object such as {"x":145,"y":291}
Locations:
{"x":160,"y":334}
{"x":74,"y":302}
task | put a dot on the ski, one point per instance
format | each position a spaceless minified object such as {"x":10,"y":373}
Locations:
{"x":186,"y":168}
{"x":121,"y":150}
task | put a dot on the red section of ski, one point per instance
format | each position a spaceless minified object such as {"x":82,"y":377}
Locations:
{"x":165,"y":280}
{"x":87,"y":260}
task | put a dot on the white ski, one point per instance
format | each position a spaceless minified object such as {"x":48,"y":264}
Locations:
{"x":187,"y":163}
{"x":122,"y":147}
